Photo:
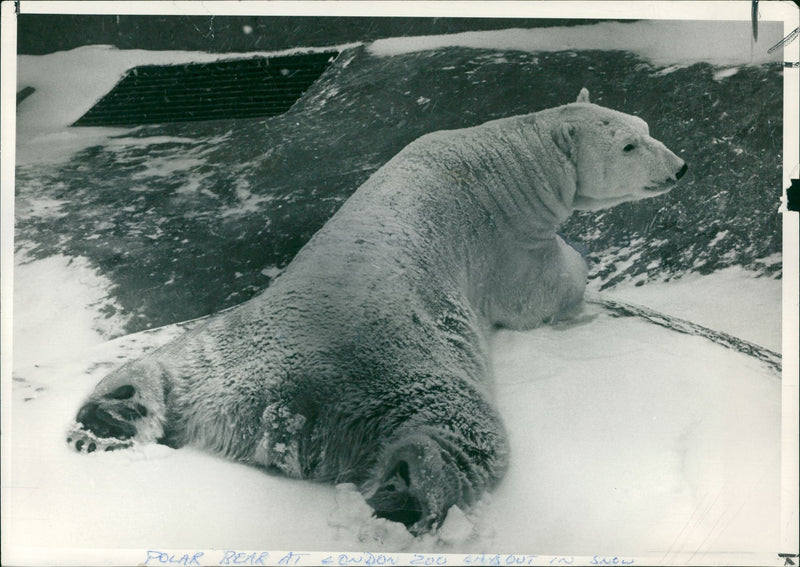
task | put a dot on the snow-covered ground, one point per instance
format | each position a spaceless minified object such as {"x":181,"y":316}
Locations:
{"x":628,"y":439}
{"x":752,"y":311}
{"x":54,"y":321}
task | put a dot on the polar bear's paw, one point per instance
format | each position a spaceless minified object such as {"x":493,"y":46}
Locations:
{"x":397,"y":501}
{"x":110,"y":422}
{"x":84,"y":441}
{"x":421,"y":480}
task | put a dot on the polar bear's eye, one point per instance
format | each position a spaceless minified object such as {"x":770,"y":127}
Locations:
{"x":629,"y":148}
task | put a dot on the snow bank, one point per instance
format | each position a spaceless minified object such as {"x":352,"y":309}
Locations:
{"x":662,"y":42}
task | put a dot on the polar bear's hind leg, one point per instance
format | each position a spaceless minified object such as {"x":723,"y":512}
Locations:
{"x":436,"y":462}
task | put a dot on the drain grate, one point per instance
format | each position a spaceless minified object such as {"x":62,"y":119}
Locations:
{"x":238,"y":88}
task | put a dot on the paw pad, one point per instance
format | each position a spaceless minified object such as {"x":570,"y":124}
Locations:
{"x":122,"y":393}
{"x":108,"y":422}
{"x":84,"y":441}
{"x":395,"y":500}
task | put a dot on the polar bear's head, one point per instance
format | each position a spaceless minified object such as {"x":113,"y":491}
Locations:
{"x":614,"y":156}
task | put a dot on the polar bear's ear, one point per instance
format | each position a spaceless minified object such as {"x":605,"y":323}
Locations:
{"x":583,"y":96}
{"x":563,"y":136}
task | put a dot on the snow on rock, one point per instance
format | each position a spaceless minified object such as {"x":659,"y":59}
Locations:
{"x":725,"y":73}
{"x":663,"y":42}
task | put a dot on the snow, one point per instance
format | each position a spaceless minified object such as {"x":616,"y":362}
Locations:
{"x":54,"y":321}
{"x":662,"y":42}
{"x":732,"y":300}
{"x":651,"y":441}
{"x":272,"y":272}
{"x":719,"y":236}
{"x":43,"y":207}
{"x":246,"y":201}
{"x":626,"y":438}
{"x":725,"y":73}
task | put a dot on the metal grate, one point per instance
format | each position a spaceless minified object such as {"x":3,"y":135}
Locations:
{"x":239,"y":88}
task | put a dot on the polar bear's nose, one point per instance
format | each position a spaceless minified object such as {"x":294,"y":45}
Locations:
{"x":681,"y":171}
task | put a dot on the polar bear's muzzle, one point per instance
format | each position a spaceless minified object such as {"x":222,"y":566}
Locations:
{"x":678,"y":174}
{"x":668,"y":183}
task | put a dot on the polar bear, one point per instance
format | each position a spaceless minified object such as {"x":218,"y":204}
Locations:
{"x":366,"y":360}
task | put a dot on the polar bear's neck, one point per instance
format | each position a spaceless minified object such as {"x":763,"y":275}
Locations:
{"x":514,"y":171}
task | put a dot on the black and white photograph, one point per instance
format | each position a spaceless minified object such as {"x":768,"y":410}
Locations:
{"x":397,"y":283}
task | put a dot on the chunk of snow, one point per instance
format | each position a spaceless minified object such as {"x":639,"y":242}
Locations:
{"x":456,"y":527}
{"x":725,"y":73}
